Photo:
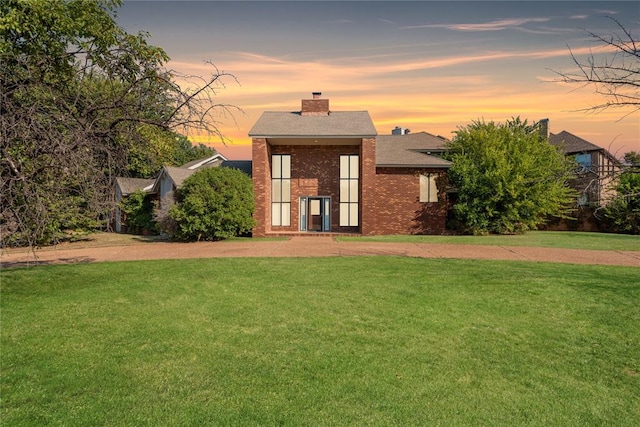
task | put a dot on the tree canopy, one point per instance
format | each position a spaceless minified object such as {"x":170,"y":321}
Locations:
{"x":508,"y":176}
{"x":81,"y":102}
{"x":622,"y":213}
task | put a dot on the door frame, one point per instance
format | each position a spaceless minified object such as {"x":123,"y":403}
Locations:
{"x":325,"y":212}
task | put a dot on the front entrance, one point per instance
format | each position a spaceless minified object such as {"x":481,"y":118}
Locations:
{"x":315,"y":213}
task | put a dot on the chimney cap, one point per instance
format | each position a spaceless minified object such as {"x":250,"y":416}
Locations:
{"x":316,"y":94}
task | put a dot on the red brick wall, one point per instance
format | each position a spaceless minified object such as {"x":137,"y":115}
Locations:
{"x":389,"y":197}
{"x":397,"y":204}
{"x":315,"y":171}
{"x":368,"y":187}
{"x":261,"y":174}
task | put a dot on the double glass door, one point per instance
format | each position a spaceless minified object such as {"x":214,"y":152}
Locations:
{"x":315,"y":213}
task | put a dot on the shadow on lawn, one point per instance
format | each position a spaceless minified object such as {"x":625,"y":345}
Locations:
{"x":34,"y":261}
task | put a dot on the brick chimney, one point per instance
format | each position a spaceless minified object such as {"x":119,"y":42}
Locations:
{"x":315,"y":106}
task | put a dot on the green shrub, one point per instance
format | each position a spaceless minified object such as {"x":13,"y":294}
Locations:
{"x":138,"y":210}
{"x":622,"y":214}
{"x":214,"y":204}
{"x":509,"y":178}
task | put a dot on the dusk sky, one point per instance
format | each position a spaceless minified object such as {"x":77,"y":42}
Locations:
{"x":423,"y":65}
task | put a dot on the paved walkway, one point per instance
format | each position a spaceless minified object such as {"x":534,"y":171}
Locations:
{"x":313,"y":247}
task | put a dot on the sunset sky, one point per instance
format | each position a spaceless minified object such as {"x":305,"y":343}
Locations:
{"x":424,"y":65}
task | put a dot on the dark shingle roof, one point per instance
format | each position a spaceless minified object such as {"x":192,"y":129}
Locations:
{"x":242,"y":165}
{"x":412,"y":150}
{"x":571,"y":143}
{"x":131,"y":185}
{"x":339,"y":124}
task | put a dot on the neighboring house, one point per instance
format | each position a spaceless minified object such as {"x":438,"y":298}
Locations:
{"x":169,"y":179}
{"x":125,"y":187}
{"x":596,"y":168}
{"x":318,"y":170}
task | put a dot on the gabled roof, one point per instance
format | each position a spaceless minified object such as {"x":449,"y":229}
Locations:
{"x":411,"y":150}
{"x":195,"y":164}
{"x":571,"y":143}
{"x":336,"y":124}
{"x":177,"y":175}
{"x":131,"y":185}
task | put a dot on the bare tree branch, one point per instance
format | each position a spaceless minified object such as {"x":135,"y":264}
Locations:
{"x":616,"y":78}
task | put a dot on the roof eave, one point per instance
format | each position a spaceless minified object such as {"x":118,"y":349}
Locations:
{"x":423,"y":165}
{"x":313,"y":136}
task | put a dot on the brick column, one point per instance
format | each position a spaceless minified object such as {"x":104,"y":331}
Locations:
{"x":368,"y":186}
{"x":261,"y":186}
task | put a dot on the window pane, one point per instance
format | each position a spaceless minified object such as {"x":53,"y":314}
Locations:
{"x":276,"y":166}
{"x":314,"y":207}
{"x":433,"y":189}
{"x":344,"y":214}
{"x":286,"y":166}
{"x":286,"y":190}
{"x":275,"y":214}
{"x":303,"y":214}
{"x":344,"y":166}
{"x":353,"y":190}
{"x":353,"y":170}
{"x":344,"y":190}
{"x":584,"y":159}
{"x":286,"y":214}
{"x":424,"y":188}
{"x":276,"y":190}
{"x":353,"y":214}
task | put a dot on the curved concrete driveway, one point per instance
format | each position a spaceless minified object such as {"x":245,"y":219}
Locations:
{"x":316,"y":246}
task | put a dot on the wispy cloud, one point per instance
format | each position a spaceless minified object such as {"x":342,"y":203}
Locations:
{"x":578,"y":16}
{"x":340,"y":21}
{"x":487,"y":26}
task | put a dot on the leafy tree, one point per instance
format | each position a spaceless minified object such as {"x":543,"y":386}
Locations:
{"x":622,"y":213}
{"x":79,"y":97}
{"x":138,"y":210}
{"x":214,"y":204}
{"x":509,"y":178}
{"x":157,"y":147}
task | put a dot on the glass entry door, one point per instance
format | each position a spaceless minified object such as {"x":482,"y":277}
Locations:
{"x":315,"y":213}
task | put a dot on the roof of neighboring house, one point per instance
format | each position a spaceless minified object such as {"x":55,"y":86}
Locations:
{"x":243,"y":165}
{"x":411,"y":150}
{"x":571,"y":143}
{"x":131,"y":185}
{"x":340,"y":124}
{"x":177,"y":174}
{"x":207,"y":161}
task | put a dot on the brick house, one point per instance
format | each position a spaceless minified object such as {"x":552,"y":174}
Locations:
{"x":323,"y":171}
{"x":596,"y":169}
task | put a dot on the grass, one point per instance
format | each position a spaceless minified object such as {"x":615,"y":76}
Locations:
{"x":547,"y":239}
{"x":322,"y":341}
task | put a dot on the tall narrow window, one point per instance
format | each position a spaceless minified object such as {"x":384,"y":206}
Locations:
{"x":428,"y":188}
{"x":349,"y":190}
{"x":281,"y":189}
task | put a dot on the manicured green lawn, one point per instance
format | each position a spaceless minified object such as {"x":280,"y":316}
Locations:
{"x":547,"y":239}
{"x":322,"y":341}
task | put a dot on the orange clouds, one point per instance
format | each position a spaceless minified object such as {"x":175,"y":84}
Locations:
{"x":435,"y":94}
